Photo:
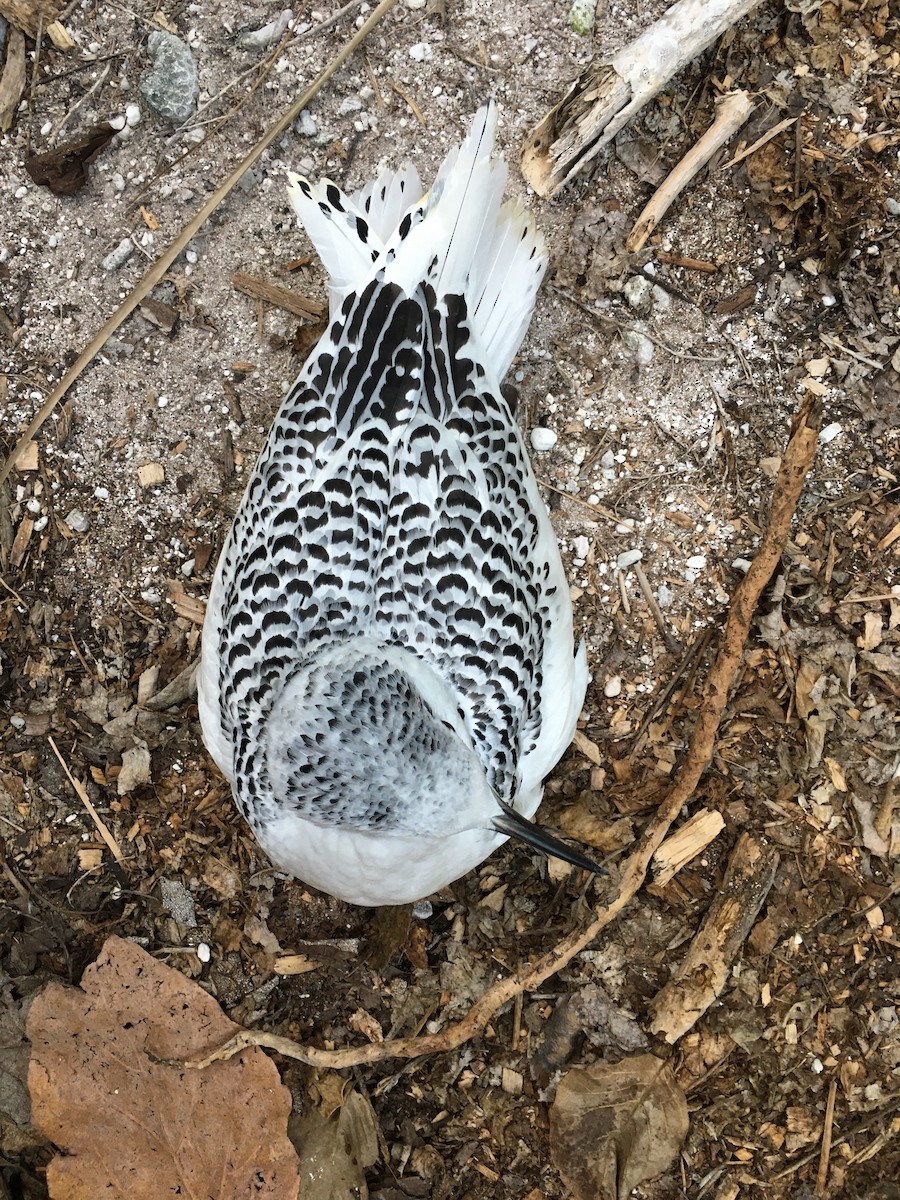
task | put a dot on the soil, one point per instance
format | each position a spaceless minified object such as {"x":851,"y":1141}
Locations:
{"x":671,"y":389}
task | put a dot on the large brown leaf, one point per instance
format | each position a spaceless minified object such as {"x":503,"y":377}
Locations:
{"x":614,"y":1126}
{"x":134,"y":1128}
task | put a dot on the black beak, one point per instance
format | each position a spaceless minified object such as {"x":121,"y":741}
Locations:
{"x":526,"y":831}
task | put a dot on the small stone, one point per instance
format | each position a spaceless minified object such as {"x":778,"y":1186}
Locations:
{"x":422,"y":910}
{"x":306,"y":125}
{"x":637,"y":292}
{"x":543,"y":438}
{"x":742,"y":564}
{"x":628,"y":558}
{"x":203,"y":952}
{"x":170,"y":87}
{"x":77,"y":521}
{"x":350,"y":104}
{"x":421,"y":52}
{"x":696,"y":562}
{"x":267,"y":35}
{"x":830,"y":432}
{"x":642,"y":349}
{"x":101,"y":493}
{"x":132,"y":115}
{"x":178,"y":902}
{"x":612,"y":687}
{"x":118,"y":257}
{"x":581,"y":16}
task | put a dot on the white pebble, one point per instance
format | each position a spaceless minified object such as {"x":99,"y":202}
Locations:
{"x":187,"y":568}
{"x":101,"y":493}
{"x":830,"y":432}
{"x":421,"y":52}
{"x":697,"y":562}
{"x":628,"y":558}
{"x":21,"y":192}
{"x":543,"y":438}
{"x":118,"y":123}
{"x":132,"y":115}
{"x":742,"y":564}
{"x":46,"y":127}
{"x":204,"y":953}
{"x":612,"y":687}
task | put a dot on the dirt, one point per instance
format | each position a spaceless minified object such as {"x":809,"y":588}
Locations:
{"x":110,"y":536}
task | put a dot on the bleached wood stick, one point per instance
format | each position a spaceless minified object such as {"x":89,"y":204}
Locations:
{"x":732,"y":111}
{"x":607,"y":95}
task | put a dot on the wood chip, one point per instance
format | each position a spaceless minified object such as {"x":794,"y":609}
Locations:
{"x":20,"y":545}
{"x":190,"y":607}
{"x":511,"y":1081}
{"x":28,"y":460}
{"x":686,"y":843}
{"x":151,"y":475}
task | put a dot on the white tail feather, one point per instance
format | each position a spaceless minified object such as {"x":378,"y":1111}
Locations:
{"x":460,"y":238}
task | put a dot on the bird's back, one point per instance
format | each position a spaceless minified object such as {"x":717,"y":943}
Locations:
{"x":393,"y":500}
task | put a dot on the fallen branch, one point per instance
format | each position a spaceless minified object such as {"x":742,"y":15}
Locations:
{"x":732,"y":111}
{"x":158,"y":269}
{"x":607,"y":95}
{"x":797,"y":460}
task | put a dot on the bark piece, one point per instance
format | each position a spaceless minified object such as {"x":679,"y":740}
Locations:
{"x":12,"y":81}
{"x":65,"y":170}
{"x":30,"y":15}
{"x":607,"y":95}
{"x":707,"y":965}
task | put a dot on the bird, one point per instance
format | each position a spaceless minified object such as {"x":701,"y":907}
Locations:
{"x":388,"y":669}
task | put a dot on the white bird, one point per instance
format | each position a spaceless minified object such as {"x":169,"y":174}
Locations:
{"x":387,"y":670}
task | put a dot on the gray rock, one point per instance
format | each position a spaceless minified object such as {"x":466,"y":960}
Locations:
{"x":170,"y":87}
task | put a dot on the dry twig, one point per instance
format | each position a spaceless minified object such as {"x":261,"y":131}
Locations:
{"x":797,"y":460}
{"x":731,"y":113}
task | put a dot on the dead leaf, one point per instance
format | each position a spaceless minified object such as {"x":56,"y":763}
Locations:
{"x":132,"y":1127}
{"x":613,"y":1126}
{"x":64,"y":170}
{"x":336,"y":1148}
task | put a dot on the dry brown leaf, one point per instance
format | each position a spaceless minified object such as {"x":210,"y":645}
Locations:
{"x":132,"y":1127}
{"x":612,"y":1126}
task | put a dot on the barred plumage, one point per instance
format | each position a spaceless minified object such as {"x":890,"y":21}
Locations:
{"x":387,"y":669}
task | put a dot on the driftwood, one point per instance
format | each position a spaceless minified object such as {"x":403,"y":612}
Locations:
{"x":607,"y":95}
{"x":796,"y":462}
